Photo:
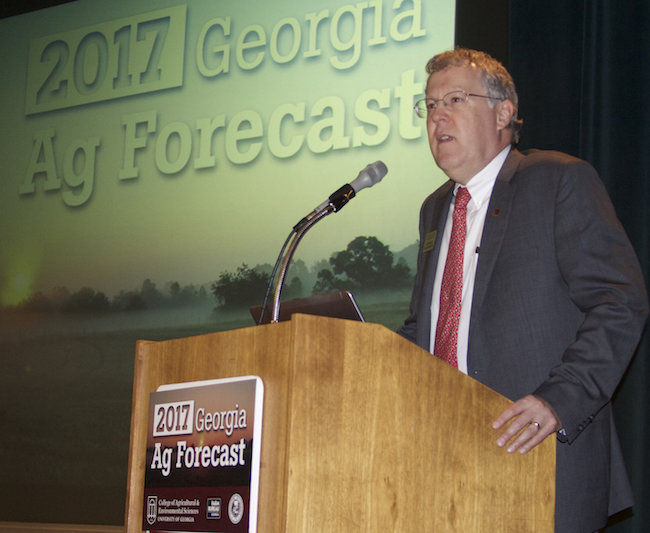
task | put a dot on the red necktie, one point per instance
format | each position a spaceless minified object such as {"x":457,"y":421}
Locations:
{"x":451,"y":289}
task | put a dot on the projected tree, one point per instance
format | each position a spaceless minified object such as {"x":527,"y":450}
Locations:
{"x":366,"y":263}
{"x":245,"y":287}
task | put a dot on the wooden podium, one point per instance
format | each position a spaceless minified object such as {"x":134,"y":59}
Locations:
{"x":363,"y":431}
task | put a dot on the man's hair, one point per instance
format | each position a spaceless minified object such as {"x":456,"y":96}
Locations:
{"x":496,"y":79}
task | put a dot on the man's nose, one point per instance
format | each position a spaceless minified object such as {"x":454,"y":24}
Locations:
{"x":440,"y":112}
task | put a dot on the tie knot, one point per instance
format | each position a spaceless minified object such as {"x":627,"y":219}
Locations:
{"x":462,"y":198}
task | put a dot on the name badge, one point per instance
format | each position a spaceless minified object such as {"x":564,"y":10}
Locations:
{"x":429,"y":241}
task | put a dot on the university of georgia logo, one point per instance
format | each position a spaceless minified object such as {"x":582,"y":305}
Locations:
{"x":236,"y":508}
{"x":152,"y":509}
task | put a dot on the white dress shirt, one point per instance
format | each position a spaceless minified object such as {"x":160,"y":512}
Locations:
{"x":480,"y":189}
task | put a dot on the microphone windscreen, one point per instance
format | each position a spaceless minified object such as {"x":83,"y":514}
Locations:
{"x":369,"y":176}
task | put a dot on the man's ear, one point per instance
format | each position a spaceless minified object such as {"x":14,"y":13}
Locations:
{"x":505,"y":112}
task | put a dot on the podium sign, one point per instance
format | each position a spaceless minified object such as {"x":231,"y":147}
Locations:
{"x":203,"y":456}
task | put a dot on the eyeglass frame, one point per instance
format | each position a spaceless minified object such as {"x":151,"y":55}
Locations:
{"x":434,"y":101}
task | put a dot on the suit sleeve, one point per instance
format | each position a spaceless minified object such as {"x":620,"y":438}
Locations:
{"x":604,"y":279}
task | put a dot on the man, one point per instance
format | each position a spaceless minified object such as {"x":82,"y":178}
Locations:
{"x":541,"y":298}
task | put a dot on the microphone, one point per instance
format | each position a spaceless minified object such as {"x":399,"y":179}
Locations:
{"x":369,"y":176}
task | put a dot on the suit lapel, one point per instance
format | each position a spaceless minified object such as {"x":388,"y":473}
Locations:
{"x":438,"y":217}
{"x":433,"y":222}
{"x":496,"y":222}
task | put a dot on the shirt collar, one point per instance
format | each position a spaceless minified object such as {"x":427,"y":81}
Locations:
{"x":481,"y":184}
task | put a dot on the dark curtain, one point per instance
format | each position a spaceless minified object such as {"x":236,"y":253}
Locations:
{"x":582,"y":71}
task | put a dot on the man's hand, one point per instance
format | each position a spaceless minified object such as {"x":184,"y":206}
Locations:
{"x":533,"y":416}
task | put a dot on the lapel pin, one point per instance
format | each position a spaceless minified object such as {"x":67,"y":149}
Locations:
{"x":496,"y":212}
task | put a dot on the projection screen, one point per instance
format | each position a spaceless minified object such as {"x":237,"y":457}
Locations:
{"x":149,"y":149}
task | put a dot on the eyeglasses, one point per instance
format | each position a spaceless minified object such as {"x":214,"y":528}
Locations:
{"x":454,"y":100}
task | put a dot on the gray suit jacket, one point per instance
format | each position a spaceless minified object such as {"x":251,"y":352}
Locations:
{"x":558,"y":309}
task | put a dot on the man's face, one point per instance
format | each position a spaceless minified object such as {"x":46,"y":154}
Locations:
{"x":464,"y":140}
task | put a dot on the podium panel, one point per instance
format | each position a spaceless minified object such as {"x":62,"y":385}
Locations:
{"x":362,"y":431}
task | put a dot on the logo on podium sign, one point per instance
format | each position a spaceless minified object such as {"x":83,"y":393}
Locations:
{"x":152,"y":509}
{"x":203,"y":456}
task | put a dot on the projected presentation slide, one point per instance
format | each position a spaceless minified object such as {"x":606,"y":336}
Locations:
{"x":171,"y":140}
